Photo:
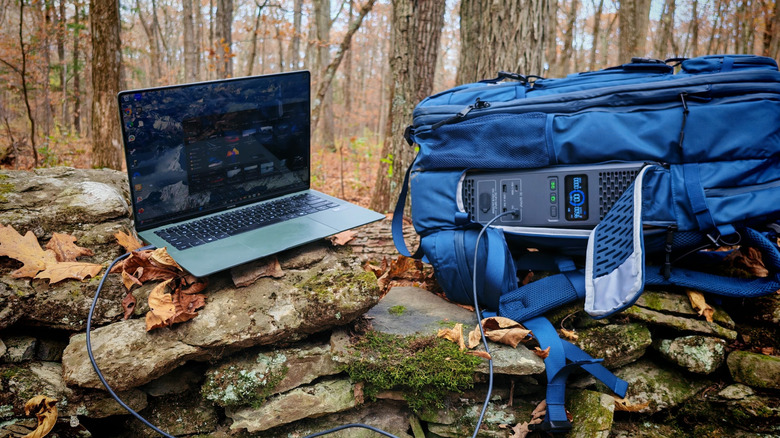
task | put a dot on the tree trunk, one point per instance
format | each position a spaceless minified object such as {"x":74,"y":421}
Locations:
{"x":63,"y":64}
{"x":408,"y":49}
{"x":428,"y":24}
{"x":253,"y":52}
{"x":490,"y":35}
{"x":568,"y":40}
{"x":199,"y":43}
{"x":326,"y":135}
{"x":773,"y":31}
{"x":551,"y":37}
{"x":106,"y":59}
{"x":295,"y":43}
{"x":634,"y":18}
{"x":596,"y":31}
{"x":154,"y":48}
{"x":694,"y":47}
{"x":224,"y":38}
{"x":664,"y":40}
{"x":190,"y":51}
{"x":76,"y":69}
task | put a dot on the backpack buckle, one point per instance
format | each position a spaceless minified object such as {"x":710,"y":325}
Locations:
{"x":408,"y":133}
{"x":551,"y":427}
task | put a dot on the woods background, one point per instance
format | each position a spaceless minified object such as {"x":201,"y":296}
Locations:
{"x":63,"y":61}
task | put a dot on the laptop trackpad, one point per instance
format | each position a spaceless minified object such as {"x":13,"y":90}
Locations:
{"x":284,"y":235}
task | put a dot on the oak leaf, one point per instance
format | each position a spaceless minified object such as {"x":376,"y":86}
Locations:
{"x":501,"y":330}
{"x":45,"y":410}
{"x":454,"y":334}
{"x":161,"y":308}
{"x":57,"y":272}
{"x":26,"y":250}
{"x":129,"y":242}
{"x":700,"y":305}
{"x":65,"y":249}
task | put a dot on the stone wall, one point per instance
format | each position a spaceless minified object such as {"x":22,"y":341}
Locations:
{"x":274,"y":358}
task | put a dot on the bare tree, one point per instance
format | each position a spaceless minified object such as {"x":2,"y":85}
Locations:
{"x":490,"y":32}
{"x":665,"y":43}
{"x":595,"y":33}
{"x":106,"y":59}
{"x":295,"y":43}
{"x":634,"y":16}
{"x":76,"y":67}
{"x":224,"y":38}
{"x":397,"y":155}
{"x":568,"y":40}
{"x":190,"y":51}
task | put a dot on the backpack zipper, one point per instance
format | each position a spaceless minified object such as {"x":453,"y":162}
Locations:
{"x":479,"y":104}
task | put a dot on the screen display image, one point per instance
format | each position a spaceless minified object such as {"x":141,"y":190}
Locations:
{"x":197,"y":148}
{"x":576,"y":197}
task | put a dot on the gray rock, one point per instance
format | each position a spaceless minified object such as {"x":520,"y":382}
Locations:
{"x":19,"y":349}
{"x":388,"y":416}
{"x":645,"y":429}
{"x":680,"y":323}
{"x":698,"y":354}
{"x":764,"y":309}
{"x":753,"y":369}
{"x":312,"y":401}
{"x":183,"y":414}
{"x":736,"y":406}
{"x":3,"y":348}
{"x":679,"y":304}
{"x":333,"y":292}
{"x":251,"y":377}
{"x":19,"y":383}
{"x":657,"y":387}
{"x":50,"y":350}
{"x":178,"y":381}
{"x":617,"y":344}
{"x":406,"y":311}
{"x":458,"y":421}
{"x":592,"y":413}
{"x":736,"y":391}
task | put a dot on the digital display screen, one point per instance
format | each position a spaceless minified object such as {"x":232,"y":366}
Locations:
{"x":576,"y":197}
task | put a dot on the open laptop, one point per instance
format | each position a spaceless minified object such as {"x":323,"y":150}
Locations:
{"x":220,"y":171}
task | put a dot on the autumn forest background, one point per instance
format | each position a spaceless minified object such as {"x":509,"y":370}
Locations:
{"x":63,"y":61}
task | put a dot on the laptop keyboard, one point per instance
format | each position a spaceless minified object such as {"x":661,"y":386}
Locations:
{"x":235,"y":222}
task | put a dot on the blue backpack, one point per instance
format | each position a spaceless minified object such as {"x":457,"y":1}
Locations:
{"x":680,"y":163}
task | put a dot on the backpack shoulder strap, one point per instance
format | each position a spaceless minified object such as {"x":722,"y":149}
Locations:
{"x":397,"y":225}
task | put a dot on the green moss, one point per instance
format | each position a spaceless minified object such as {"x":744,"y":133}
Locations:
{"x":424,"y":369}
{"x":5,"y":188}
{"x":397,"y":310}
{"x":323,"y":286}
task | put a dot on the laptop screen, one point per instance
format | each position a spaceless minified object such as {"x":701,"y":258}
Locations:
{"x":200,"y":148}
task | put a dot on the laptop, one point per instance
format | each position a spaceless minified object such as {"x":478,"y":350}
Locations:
{"x":220,"y":171}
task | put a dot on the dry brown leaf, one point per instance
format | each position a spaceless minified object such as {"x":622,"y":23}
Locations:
{"x":542,"y":353}
{"x":539,"y":412}
{"x":358,"y":393}
{"x":45,"y":409}
{"x":475,"y":338}
{"x":454,"y":334}
{"x":504,"y":331}
{"x":26,"y":250}
{"x":625,"y":405}
{"x":569,"y":334}
{"x":128,"y":303}
{"x":162,"y":310}
{"x":750,"y":260}
{"x":480,"y":353}
{"x":700,"y":304}
{"x":57,"y":272}
{"x":342,"y":238}
{"x":129,"y":280}
{"x":403,"y":271}
{"x":161,"y":258}
{"x":248,"y":273}
{"x":521,"y":430}
{"x":65,"y":249}
{"x":129,"y":242}
{"x":187,"y":306}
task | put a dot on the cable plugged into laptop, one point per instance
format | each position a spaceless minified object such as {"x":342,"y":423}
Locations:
{"x":325,"y":432}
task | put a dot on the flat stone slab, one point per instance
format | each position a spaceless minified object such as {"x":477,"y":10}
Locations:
{"x":332,"y":292}
{"x":406,"y":311}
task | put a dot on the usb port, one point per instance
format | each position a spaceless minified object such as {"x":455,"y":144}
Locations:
{"x":503,"y":188}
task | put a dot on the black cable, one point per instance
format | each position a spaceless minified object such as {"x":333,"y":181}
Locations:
{"x":347,"y":426}
{"x":479,"y":320}
{"x":92,"y":357}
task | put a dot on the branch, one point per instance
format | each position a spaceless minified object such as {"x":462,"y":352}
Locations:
{"x":330,"y":71}
{"x":12,"y":67}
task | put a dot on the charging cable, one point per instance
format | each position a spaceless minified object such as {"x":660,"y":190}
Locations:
{"x":325,"y":432}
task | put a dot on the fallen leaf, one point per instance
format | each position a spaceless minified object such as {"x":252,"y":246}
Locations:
{"x":128,"y":303}
{"x":45,"y":409}
{"x":248,"y":273}
{"x":501,"y":330}
{"x":569,"y":334}
{"x":65,"y":249}
{"x":76,"y":270}
{"x":129,"y":280}
{"x":542,"y":353}
{"x":358,"y":393}
{"x":161,"y":308}
{"x":454,"y":334}
{"x":129,"y":242}
{"x":342,"y":238}
{"x":521,"y":430}
{"x":767,"y":351}
{"x":187,"y":306}
{"x":161,"y":258}
{"x":539,"y":412}
{"x":625,"y":405}
{"x":404,"y":271}
{"x":480,"y":353}
{"x":700,"y":304}
{"x":26,"y":250}
{"x":748,"y":259}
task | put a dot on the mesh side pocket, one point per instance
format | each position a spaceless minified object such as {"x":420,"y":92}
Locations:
{"x":497,"y":141}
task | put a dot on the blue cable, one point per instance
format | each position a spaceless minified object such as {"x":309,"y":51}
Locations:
{"x":479,"y":319}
